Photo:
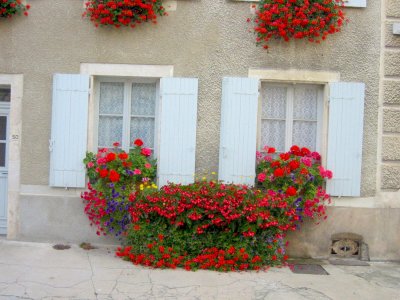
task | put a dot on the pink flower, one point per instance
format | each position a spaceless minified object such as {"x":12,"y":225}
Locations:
{"x":316,"y":155}
{"x":101,"y":161}
{"x":268,"y":158}
{"x":147,"y":166}
{"x":145,"y":179}
{"x":258,"y":154}
{"x":90,"y":164}
{"x":146,"y":151}
{"x":306,"y":160}
{"x":137,"y":172}
{"x":261,"y":177}
{"x":325,"y":173}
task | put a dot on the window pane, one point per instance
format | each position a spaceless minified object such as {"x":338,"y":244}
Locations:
{"x":305,"y":134}
{"x":273,"y":134}
{"x":2,"y":154}
{"x":143,"y":99}
{"x":143,"y":128}
{"x":110,"y":131}
{"x":111,"y":98}
{"x":274,"y":102}
{"x":3,"y":128}
{"x":5,"y":95}
{"x":305,"y":103}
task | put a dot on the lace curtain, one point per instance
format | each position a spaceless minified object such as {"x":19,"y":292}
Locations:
{"x":111,"y":109}
{"x":111,"y":113}
{"x":305,"y":116}
{"x":274,"y":116}
{"x":143,"y":111}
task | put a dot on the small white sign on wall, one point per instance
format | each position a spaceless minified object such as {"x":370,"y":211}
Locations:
{"x":396,"y":28}
{"x":355,"y":3}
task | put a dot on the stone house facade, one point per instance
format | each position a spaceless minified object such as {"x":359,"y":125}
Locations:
{"x":208,"y":40}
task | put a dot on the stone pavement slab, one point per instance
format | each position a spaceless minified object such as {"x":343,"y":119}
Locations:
{"x":37,"y":271}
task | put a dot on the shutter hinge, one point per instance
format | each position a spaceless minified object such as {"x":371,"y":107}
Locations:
{"x":51,"y":144}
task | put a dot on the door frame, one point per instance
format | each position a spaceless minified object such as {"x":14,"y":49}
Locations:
{"x":15,"y":83}
{"x":5,"y":112}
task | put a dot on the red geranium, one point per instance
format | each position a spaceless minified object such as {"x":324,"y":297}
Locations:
{"x":119,"y":13}
{"x":114,"y":176}
{"x":279,"y":172}
{"x":286,"y":19}
{"x":103,"y":173}
{"x":8,"y":8}
{"x":123,"y":156}
{"x":111,"y":156}
{"x":138,"y":142}
{"x":291,"y":191}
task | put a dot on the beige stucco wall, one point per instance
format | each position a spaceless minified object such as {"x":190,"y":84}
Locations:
{"x":390,"y":158}
{"x":208,"y":39}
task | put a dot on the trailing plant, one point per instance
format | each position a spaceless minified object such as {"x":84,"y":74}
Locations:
{"x":8,"y":8}
{"x":285,"y":19}
{"x":114,"y":175}
{"x":119,"y":13}
{"x":205,"y":224}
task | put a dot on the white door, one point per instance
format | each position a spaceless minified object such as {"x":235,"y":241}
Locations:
{"x":3,"y":169}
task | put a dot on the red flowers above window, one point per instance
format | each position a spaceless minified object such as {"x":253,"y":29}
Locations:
{"x":286,"y":19}
{"x":8,"y":8}
{"x":123,"y":12}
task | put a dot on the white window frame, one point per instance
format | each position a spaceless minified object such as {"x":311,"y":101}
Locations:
{"x":127,"y":115}
{"x":302,"y":77}
{"x":321,"y":106}
{"x":117,"y":71}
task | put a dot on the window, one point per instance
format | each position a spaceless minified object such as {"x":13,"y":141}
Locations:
{"x":291,"y":114}
{"x":126,"y":111}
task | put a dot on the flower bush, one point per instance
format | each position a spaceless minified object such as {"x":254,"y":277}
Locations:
{"x":114,"y":175}
{"x":119,"y":13}
{"x":206,"y":224}
{"x":8,"y":8}
{"x":297,"y":173}
{"x":299,"y":19}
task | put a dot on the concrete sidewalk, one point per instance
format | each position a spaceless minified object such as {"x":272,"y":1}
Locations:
{"x":37,"y":271}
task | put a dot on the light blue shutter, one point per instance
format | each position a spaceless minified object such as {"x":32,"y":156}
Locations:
{"x":237,"y":151}
{"x":69,"y":130}
{"x":345,"y":137}
{"x":177,"y":130}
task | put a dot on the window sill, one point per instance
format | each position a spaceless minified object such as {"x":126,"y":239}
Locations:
{"x":347,"y":3}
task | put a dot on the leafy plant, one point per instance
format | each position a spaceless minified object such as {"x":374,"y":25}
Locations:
{"x":8,"y":8}
{"x":114,"y":175}
{"x":298,"y":19}
{"x":119,"y":13}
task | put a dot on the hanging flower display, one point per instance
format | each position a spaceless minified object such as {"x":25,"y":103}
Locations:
{"x":299,"y":19}
{"x":8,"y":8}
{"x":119,"y":13}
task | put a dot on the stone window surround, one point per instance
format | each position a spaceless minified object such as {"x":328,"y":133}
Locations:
{"x":381,"y":199}
{"x":306,"y":77}
{"x":117,"y":70}
{"x":15,"y":83}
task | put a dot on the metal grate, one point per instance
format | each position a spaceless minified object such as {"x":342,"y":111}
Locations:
{"x":308,"y":269}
